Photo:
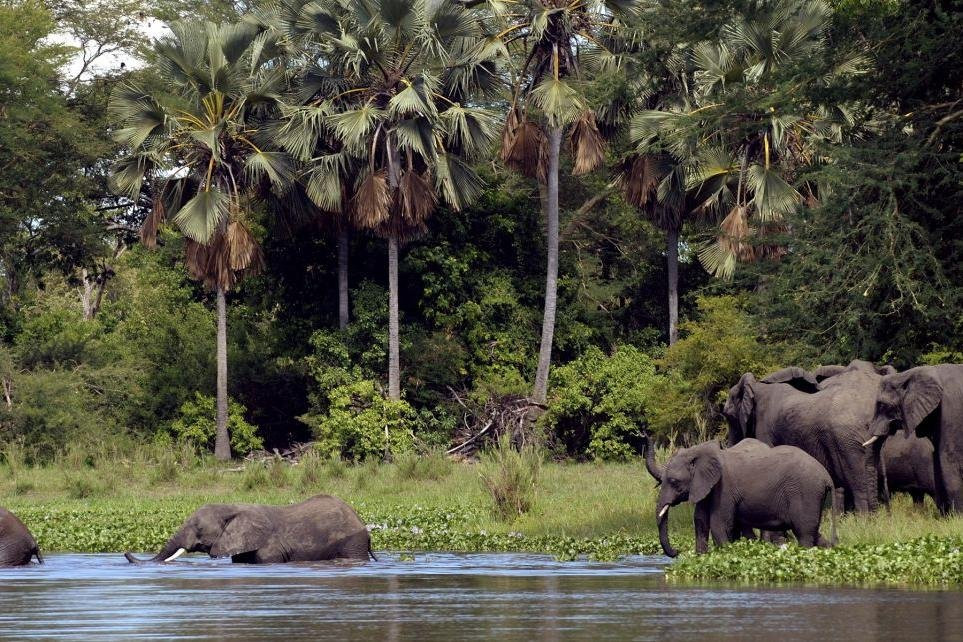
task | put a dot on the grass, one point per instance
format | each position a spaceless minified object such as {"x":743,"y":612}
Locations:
{"x":604,"y":511}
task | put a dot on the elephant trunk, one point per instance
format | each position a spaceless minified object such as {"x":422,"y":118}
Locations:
{"x":663,"y":520}
{"x":650,"y":465}
{"x":171,"y":550}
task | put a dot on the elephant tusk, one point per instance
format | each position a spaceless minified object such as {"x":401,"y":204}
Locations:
{"x":870,"y":440}
{"x":177,"y":554}
{"x":665,"y":509}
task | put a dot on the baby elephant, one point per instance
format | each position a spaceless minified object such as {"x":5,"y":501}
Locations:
{"x":17,"y":545}
{"x":320,"y":528}
{"x":749,"y":485}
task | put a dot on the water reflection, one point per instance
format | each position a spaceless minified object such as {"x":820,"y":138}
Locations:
{"x":440,"y":597}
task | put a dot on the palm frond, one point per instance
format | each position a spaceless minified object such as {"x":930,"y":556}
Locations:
{"x":588,"y":147}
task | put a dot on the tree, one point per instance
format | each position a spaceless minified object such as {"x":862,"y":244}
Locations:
{"x":554,"y":40}
{"x":389,"y":92}
{"x":744,"y":123}
{"x":203,"y":146}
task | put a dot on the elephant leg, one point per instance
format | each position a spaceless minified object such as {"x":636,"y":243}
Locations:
{"x":918,"y":497}
{"x":952,"y":483}
{"x":700,"y":520}
{"x":722,"y":526}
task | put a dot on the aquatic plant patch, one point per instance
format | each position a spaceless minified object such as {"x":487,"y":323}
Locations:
{"x":924,"y":561}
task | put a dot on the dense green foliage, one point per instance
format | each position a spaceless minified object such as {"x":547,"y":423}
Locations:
{"x":924,"y":561}
{"x":103,"y":340}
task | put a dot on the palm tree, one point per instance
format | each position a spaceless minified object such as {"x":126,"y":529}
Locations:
{"x":389,"y":86}
{"x":654,"y":183}
{"x":200,"y":144}
{"x":740,"y":133}
{"x":555,"y":39}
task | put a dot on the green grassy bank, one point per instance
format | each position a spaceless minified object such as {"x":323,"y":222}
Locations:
{"x":603,"y":511}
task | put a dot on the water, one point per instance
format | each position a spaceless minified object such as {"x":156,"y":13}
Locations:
{"x":441,"y":597}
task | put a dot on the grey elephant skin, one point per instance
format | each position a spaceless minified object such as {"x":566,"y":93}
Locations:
{"x":749,"y":485}
{"x":908,"y":462}
{"x":928,"y":400}
{"x":17,"y":545}
{"x":320,"y":528}
{"x":826,"y":413}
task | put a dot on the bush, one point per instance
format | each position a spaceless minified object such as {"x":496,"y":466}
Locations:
{"x":197,"y":426}
{"x":511,"y":477}
{"x":433,"y":465}
{"x":362,"y":423}
{"x":701,"y":367}
{"x":598,"y":403}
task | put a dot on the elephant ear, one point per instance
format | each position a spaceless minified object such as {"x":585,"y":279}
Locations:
{"x":246,"y":532}
{"x":747,"y":404}
{"x":706,"y":473}
{"x":797,"y":377}
{"x":921,"y":394}
{"x":825,"y":372}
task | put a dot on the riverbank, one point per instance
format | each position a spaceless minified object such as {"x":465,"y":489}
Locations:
{"x":602,"y":511}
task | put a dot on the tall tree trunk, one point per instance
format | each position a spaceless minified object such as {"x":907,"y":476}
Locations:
{"x":672,"y":270}
{"x":222,"y":443}
{"x":540,"y":393}
{"x":343,"y":239}
{"x":394,"y":369}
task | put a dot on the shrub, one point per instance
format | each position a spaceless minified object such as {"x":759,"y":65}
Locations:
{"x":361,"y":423}
{"x":312,"y":469}
{"x":701,"y":367}
{"x":599,"y":401}
{"x":433,"y":465}
{"x":511,"y":477}
{"x":255,"y":476}
{"x":81,"y":485}
{"x":197,"y":426}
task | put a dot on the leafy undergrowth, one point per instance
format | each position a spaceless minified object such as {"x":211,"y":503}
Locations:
{"x":924,"y":561}
{"x":104,"y":529}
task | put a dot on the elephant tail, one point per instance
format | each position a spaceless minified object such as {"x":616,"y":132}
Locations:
{"x":371,"y":552}
{"x":834,"y":514}
{"x":36,"y":551}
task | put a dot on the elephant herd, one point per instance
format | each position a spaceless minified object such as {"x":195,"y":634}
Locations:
{"x":800,"y":440}
{"x":320,"y":528}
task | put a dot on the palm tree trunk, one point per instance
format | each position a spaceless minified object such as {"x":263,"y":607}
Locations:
{"x":222,"y":443}
{"x":540,"y":393}
{"x":343,"y":278}
{"x":394,"y":369}
{"x":672,"y":270}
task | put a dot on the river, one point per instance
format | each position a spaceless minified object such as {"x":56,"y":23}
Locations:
{"x":442,"y":596}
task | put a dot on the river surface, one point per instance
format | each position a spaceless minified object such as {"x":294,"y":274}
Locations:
{"x":441,"y":596}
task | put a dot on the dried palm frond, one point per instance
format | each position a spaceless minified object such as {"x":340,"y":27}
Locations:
{"x":639,"y":177}
{"x":588,"y":148}
{"x":371,"y":204}
{"x":735,"y":234}
{"x":148,"y":231}
{"x":524,"y":147}
{"x":416,"y":197}
{"x":244,"y":252}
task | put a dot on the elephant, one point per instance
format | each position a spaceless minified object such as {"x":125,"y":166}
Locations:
{"x":749,"y":485}
{"x":825,"y":413}
{"x":17,"y":545}
{"x":908,"y":463}
{"x":928,"y":400}
{"x":320,"y":528}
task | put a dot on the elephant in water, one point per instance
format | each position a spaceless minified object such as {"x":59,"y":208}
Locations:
{"x":749,"y":485}
{"x":320,"y":528}
{"x":826,"y":413}
{"x":929,"y":401}
{"x":17,"y":545}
